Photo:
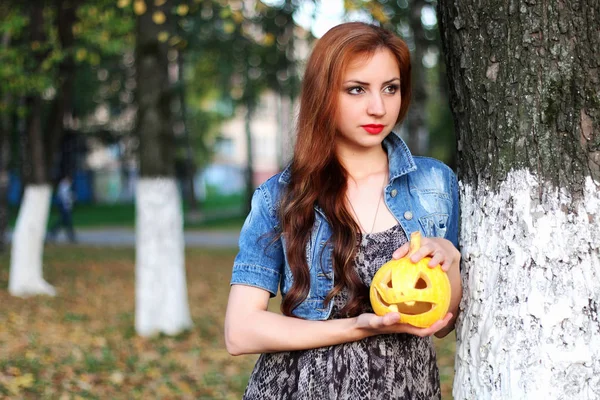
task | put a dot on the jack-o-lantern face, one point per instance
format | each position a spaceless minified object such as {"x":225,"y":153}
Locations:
{"x":420,"y":294}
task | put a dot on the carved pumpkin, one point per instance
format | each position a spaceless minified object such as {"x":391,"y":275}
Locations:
{"x":420,"y":294}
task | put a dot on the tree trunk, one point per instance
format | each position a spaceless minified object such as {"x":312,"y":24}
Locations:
{"x":161,"y":294}
{"x":26,"y":277}
{"x":5,"y":129}
{"x":524,"y":81}
{"x":5,"y":132}
{"x":190,"y":164}
{"x":62,"y":109}
{"x":28,"y":237}
{"x":249,"y":155}
{"x":417,"y":133}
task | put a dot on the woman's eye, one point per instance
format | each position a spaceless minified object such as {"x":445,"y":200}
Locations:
{"x":355,"y":90}
{"x":391,"y":89}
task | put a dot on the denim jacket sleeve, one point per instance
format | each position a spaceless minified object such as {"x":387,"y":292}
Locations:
{"x":453,"y":223}
{"x":260,"y":259}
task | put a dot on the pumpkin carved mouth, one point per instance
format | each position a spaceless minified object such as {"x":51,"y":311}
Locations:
{"x":408,"y":307}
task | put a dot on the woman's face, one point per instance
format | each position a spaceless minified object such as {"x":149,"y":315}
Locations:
{"x":369,"y":100}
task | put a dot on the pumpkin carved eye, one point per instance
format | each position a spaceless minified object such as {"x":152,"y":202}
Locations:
{"x":421,"y":283}
{"x":419,"y":293}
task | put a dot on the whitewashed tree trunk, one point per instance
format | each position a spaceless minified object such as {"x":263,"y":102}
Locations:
{"x":529,"y":327}
{"x":161,"y":294}
{"x":524,"y":85}
{"x":26,"y":278}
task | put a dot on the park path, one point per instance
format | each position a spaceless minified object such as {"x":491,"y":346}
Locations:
{"x":123,"y":237}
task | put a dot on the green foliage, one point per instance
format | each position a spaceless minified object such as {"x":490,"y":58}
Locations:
{"x":103,"y":31}
{"x":102,"y":34}
{"x":232,"y":54}
{"x":26,"y":66}
{"x":249,"y":49}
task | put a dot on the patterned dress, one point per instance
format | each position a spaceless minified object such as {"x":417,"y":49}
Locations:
{"x":395,"y":366}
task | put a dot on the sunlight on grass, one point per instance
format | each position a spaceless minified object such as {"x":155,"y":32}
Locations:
{"x":82,"y":342}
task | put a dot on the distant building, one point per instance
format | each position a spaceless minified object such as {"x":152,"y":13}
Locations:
{"x":272,"y":138}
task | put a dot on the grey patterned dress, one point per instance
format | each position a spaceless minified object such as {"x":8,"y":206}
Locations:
{"x":397,"y":366}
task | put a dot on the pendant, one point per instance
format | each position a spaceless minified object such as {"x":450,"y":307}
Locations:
{"x":364,"y":240}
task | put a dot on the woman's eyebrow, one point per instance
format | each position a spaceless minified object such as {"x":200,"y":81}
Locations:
{"x":354,"y":81}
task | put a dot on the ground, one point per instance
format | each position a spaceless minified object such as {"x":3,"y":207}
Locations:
{"x":82,"y":344}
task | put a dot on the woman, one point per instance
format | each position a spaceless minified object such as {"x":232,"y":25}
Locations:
{"x":320,"y":230}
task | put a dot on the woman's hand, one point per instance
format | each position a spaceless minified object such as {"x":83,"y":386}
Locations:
{"x":376,"y":325}
{"x":441,"y":251}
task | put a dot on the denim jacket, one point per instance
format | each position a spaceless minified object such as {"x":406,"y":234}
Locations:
{"x":421,"y":193}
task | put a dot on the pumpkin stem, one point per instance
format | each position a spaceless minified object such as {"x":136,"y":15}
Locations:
{"x":415,"y":242}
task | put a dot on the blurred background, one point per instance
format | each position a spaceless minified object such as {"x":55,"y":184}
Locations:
{"x":234,"y":70}
{"x":70,"y":103}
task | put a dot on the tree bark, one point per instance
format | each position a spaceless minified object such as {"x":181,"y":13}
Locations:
{"x":5,"y":129}
{"x":154,"y":96}
{"x":25,"y":277}
{"x":417,"y":133}
{"x":249,"y":155}
{"x":161,"y":294}
{"x":62,"y":108}
{"x":26,"y":274}
{"x":190,"y":164}
{"x":5,"y":132}
{"x":524,"y":80}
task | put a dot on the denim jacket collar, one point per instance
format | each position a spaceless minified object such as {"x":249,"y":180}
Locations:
{"x":400,"y":160}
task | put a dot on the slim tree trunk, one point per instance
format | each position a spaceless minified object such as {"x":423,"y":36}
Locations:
{"x":249,"y":155}
{"x":161,"y":292}
{"x":524,"y":82}
{"x":62,"y":108}
{"x":417,"y":135}
{"x":190,"y":164}
{"x":28,"y":239}
{"x":5,"y":132}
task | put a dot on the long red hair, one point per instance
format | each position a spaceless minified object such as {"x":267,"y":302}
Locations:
{"x":317,"y":176}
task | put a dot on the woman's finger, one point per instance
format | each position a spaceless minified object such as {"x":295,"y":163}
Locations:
{"x":446,"y":265}
{"x":391,"y":318}
{"x":423,"y":251}
{"x":400,"y":251}
{"x":376,"y":322}
{"x":436,"y":326}
{"x":438,"y":258}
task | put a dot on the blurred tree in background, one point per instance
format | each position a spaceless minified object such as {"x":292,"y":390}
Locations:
{"x":44,"y":43}
{"x":161,"y":289}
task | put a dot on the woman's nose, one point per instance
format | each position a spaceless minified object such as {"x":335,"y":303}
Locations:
{"x":376,"y":105}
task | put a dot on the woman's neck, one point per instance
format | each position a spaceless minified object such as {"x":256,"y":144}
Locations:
{"x":363,"y":163}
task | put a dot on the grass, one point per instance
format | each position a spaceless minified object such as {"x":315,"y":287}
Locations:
{"x":217,"y":212}
{"x":81,"y":344}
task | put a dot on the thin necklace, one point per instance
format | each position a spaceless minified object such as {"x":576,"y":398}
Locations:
{"x":376,"y":210}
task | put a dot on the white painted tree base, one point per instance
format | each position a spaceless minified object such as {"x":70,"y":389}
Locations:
{"x":161,"y":304}
{"x":26,"y":277}
{"x":529,"y":327}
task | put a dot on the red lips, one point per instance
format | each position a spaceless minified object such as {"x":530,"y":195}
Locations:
{"x":373,"y":129}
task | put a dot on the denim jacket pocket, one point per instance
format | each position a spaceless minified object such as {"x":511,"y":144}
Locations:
{"x":434,"y":225}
